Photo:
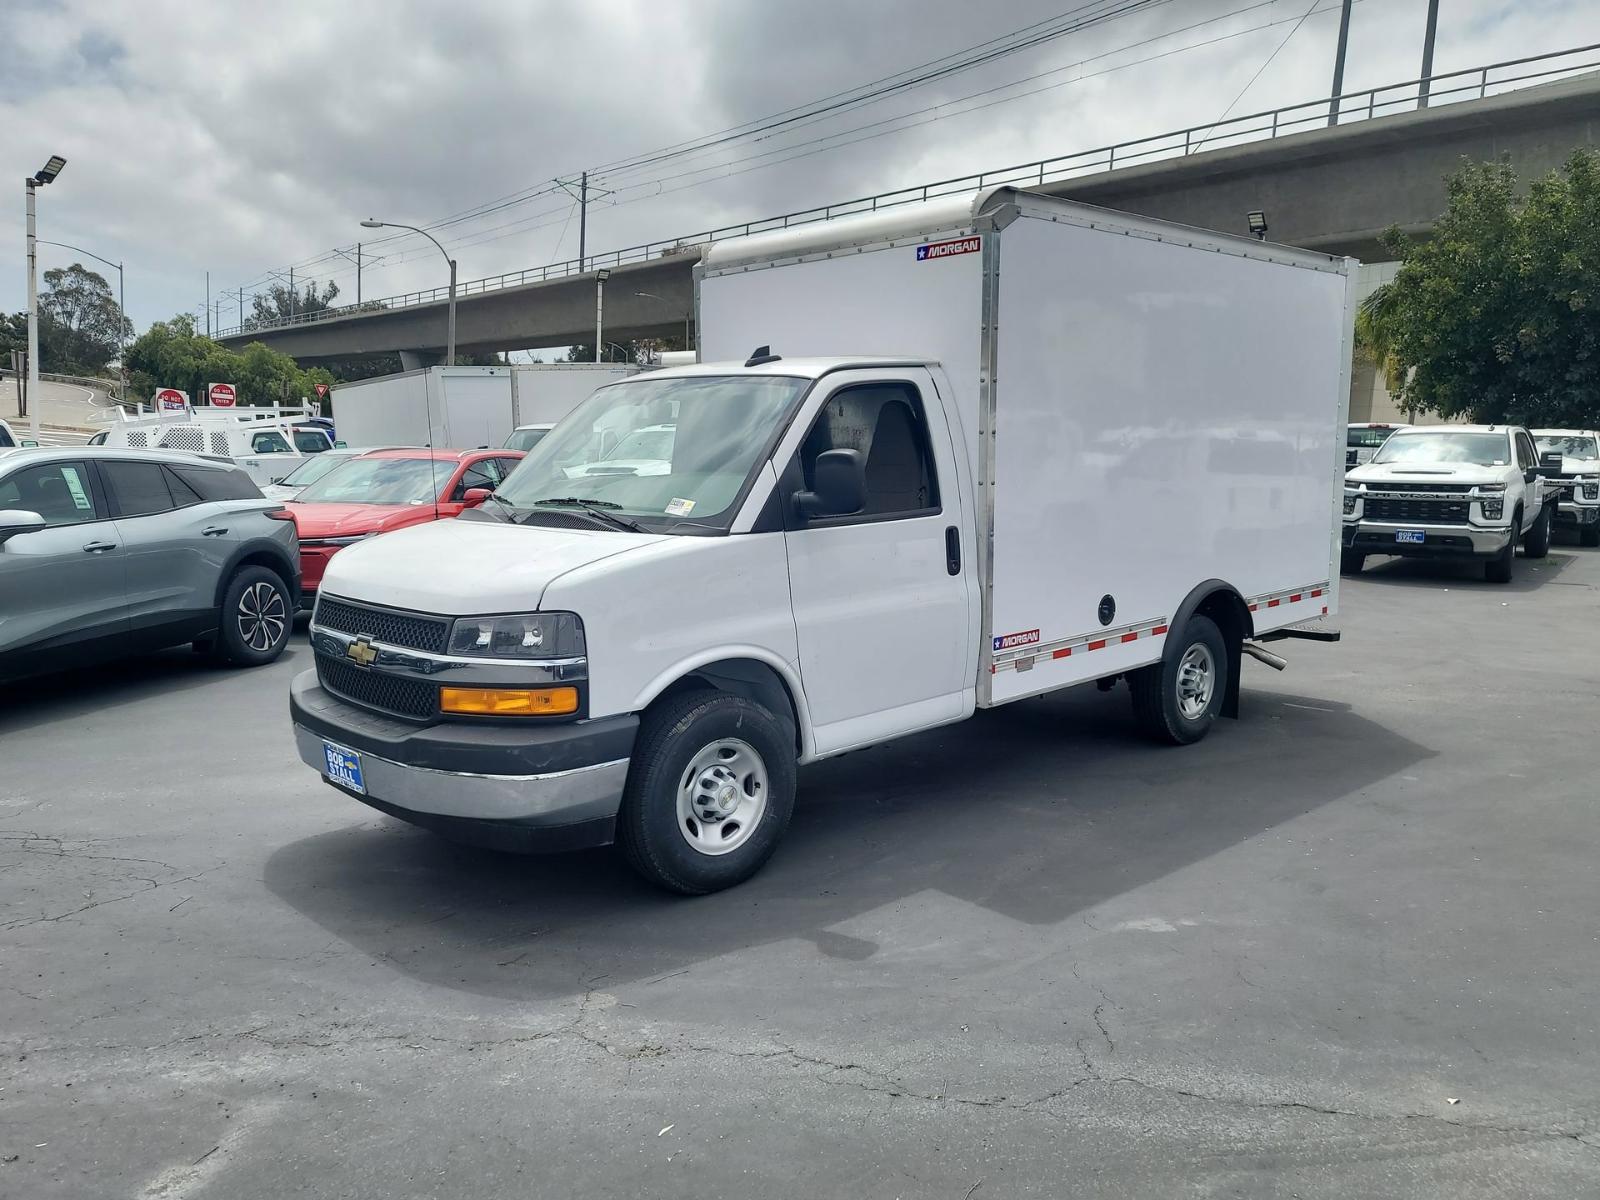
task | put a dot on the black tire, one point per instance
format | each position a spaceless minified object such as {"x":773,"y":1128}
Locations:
{"x":1589,"y":535}
{"x":245,"y":642}
{"x":673,"y":736}
{"x":1157,"y":705}
{"x":1536,"y":542}
{"x":1351,"y":562}
{"x":1498,"y":569}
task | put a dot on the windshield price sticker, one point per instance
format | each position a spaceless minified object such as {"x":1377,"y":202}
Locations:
{"x":679,"y":508}
{"x":931,"y":250}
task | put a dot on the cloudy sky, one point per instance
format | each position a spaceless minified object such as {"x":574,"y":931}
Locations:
{"x":241,"y":138}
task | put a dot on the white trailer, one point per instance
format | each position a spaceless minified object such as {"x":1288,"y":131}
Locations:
{"x":950,"y":456}
{"x":463,"y":407}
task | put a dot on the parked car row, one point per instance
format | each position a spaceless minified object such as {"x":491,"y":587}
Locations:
{"x":1471,"y":492}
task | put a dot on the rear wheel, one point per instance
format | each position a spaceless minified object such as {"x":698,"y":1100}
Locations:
{"x":709,"y":794}
{"x":1178,"y":699}
{"x":254,"y":624}
{"x":1536,"y":542}
{"x":1589,"y":535}
{"x":1351,"y":562}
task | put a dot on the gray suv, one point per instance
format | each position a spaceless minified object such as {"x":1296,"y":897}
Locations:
{"x":107,"y":552}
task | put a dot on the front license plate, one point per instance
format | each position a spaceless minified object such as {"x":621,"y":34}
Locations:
{"x":344,"y":767}
{"x":1410,"y":535}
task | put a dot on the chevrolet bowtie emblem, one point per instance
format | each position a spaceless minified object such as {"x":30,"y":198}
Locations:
{"x":362,"y":651}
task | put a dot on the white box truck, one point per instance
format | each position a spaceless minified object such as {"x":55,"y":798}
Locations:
{"x":463,"y":407}
{"x":1000,"y":445}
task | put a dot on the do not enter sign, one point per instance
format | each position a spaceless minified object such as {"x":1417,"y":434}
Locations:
{"x":171,"y":400}
{"x":223,"y":395}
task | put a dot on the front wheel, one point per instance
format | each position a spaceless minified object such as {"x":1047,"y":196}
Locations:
{"x":709,"y":794}
{"x":1536,"y":543}
{"x":253,"y":627}
{"x":1178,"y":699}
{"x":1351,"y":562}
{"x":1498,"y":569}
{"x":1589,"y":535}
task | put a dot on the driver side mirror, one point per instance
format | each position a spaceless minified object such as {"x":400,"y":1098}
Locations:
{"x":840,"y":486}
{"x":18,"y":520}
{"x":476,"y":496}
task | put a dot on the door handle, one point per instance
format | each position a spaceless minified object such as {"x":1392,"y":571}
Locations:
{"x":214,"y":531}
{"x":99,"y":547}
{"x":952,"y":550}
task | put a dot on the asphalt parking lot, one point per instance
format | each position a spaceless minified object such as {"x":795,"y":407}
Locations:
{"x":1345,"y":947}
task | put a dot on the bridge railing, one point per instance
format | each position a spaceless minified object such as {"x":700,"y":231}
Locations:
{"x":1473,"y":83}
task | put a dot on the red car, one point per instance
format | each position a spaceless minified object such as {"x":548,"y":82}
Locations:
{"x":384,"y":491}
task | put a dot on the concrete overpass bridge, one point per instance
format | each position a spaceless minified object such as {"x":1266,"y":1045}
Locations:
{"x":1334,"y":188}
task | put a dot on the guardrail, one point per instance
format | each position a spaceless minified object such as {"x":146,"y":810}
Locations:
{"x":1474,"y":83}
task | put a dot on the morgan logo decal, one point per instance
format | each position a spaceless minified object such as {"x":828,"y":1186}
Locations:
{"x":931,"y":250}
{"x":1010,"y":641}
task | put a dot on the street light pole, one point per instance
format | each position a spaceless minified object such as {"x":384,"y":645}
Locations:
{"x":46,"y":174}
{"x":450,"y":328}
{"x":1338,"y":62}
{"x":600,"y":278}
{"x":1427,"y":53}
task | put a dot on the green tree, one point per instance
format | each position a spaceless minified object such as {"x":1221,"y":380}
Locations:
{"x":1496,"y":317}
{"x":81,"y":327}
{"x":280,"y":302}
{"x":13,"y":336}
{"x":174,"y":354}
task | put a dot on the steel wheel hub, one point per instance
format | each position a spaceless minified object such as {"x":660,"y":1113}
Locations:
{"x":1197,"y":674}
{"x":722,"y":796}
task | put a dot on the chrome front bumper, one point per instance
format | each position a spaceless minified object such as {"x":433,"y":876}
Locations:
{"x":1378,"y":537}
{"x":559,"y":798}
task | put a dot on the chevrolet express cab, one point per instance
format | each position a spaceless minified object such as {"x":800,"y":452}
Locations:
{"x":985,"y":448}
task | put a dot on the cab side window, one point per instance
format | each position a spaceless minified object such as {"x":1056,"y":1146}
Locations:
{"x":1526,"y":458}
{"x":310,"y":441}
{"x":58,"y":492}
{"x":270,"y":443}
{"x":485,"y":473}
{"x":885,"y":422}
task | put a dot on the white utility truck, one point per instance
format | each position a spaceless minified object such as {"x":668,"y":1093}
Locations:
{"x":1001,"y":445}
{"x":463,"y":407}
{"x":1453,"y":492}
{"x":266,"y":442}
{"x":1579,"y":449}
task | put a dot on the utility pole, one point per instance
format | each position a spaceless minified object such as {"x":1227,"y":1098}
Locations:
{"x":1427,"y":53}
{"x":208,"y":304}
{"x":293,"y":295}
{"x":583,"y":221}
{"x":1338,"y":62}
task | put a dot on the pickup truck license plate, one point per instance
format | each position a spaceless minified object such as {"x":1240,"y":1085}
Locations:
{"x":344,"y":767}
{"x":1409,"y":535}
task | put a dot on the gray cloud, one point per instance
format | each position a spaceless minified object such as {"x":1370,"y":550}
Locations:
{"x":242,"y":137}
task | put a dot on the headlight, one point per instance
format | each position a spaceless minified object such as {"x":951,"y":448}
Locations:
{"x":520,"y":635}
{"x":1494,"y":509}
{"x":1487,"y":488}
{"x":338,"y":541}
{"x":1349,"y":503}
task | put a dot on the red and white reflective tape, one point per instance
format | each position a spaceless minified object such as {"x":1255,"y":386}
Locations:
{"x":1085,"y":643}
{"x":1316,"y":591}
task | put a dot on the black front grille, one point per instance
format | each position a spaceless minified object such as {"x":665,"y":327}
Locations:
{"x":1418,"y":512}
{"x":374,"y":689}
{"x":410,"y":630}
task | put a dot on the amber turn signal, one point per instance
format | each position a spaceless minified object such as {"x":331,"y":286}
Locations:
{"x":509,"y":702}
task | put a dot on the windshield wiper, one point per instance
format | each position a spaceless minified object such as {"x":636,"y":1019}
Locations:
{"x":595,"y":508}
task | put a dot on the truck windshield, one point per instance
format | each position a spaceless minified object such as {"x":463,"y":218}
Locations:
{"x":1482,"y":449}
{"x":1569,"y":446}
{"x":658,"y":452}
{"x":1365,"y":437}
{"x":380,"y":481}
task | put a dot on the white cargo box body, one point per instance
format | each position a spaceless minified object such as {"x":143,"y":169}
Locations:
{"x":1145,"y":407}
{"x":463,"y":407}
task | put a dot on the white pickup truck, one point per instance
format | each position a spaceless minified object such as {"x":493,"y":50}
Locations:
{"x":1580,"y":462}
{"x":1058,"y":474}
{"x":266,"y":443}
{"x":1452,"y":492}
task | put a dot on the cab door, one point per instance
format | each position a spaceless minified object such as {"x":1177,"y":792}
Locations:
{"x":65,"y":585}
{"x":880,"y":596}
